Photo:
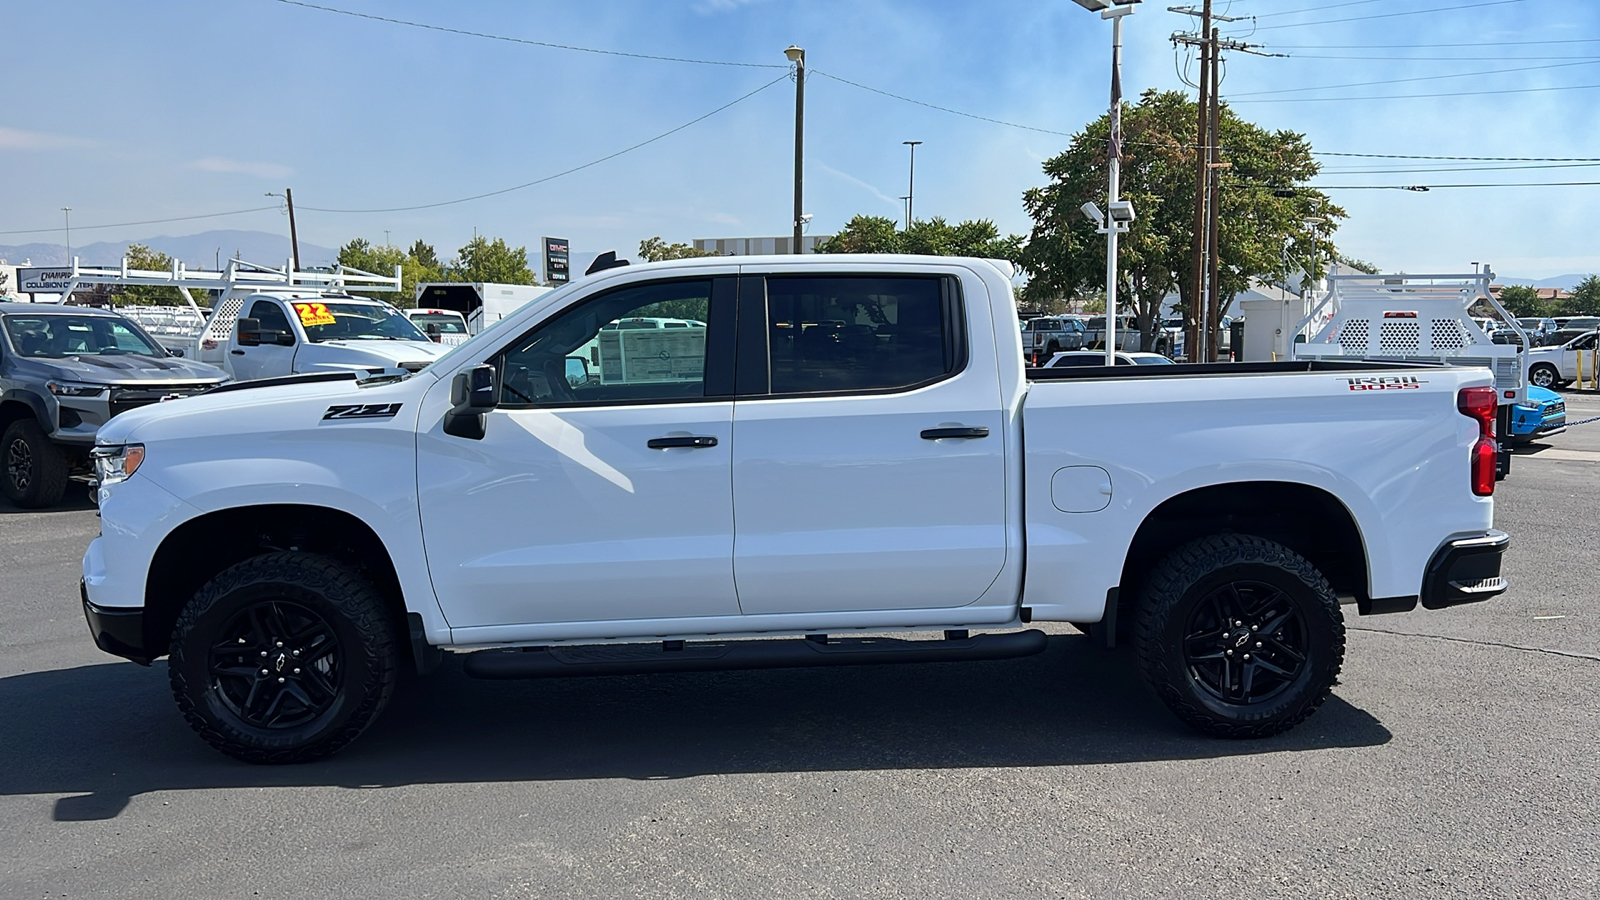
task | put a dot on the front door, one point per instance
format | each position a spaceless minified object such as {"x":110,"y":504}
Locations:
{"x":869,"y":451}
{"x":263,"y":360}
{"x":600,"y":490}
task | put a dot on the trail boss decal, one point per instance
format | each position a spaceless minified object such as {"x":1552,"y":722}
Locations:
{"x":1386,"y":383}
{"x":362,"y":411}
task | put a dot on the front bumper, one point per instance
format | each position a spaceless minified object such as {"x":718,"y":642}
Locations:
{"x":1465,"y":570}
{"x":119,"y":632}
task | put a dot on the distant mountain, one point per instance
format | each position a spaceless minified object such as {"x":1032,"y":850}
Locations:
{"x":204,"y":250}
{"x":1564,"y":282}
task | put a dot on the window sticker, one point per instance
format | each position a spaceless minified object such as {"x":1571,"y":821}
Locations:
{"x":313,"y":314}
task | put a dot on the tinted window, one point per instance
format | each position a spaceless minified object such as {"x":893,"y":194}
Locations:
{"x":77,"y":335}
{"x":858,"y":333}
{"x":270,"y":315}
{"x":585,"y":355}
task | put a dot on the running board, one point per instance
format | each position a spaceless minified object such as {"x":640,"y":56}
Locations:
{"x":717,"y":656}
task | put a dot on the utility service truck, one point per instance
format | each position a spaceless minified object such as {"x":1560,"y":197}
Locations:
{"x":849,"y":454}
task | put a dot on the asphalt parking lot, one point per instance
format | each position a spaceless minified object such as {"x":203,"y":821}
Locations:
{"x":1457,"y":758}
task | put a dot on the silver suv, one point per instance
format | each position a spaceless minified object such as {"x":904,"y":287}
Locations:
{"x":64,"y":372}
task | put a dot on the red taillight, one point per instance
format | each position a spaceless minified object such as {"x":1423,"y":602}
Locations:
{"x":1480,"y":403}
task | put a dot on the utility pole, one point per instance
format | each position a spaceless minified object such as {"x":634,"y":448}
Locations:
{"x":67,"y":212}
{"x":1204,"y":293}
{"x":798,"y":57}
{"x":294,"y":238}
{"x":911,"y":184}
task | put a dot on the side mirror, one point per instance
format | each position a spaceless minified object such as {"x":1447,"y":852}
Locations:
{"x":433,"y":332}
{"x":472,"y":394}
{"x":173,"y":351}
{"x":249,"y":332}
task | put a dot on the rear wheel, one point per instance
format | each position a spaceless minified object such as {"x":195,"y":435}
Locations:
{"x":283,"y":658}
{"x":1239,"y":636}
{"x":35,"y":470}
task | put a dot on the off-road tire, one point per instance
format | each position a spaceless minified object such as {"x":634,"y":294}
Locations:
{"x":33,"y":471}
{"x":293,"y":588}
{"x":1544,"y":375}
{"x":1174,"y":636}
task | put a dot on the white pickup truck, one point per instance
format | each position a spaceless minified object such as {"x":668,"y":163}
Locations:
{"x":850,"y":447}
{"x":278,"y":334}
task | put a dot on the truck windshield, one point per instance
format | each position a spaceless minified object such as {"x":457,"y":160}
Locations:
{"x":326,"y":320}
{"x":62,"y":335}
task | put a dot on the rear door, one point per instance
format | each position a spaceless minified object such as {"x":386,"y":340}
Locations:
{"x":868,"y":452}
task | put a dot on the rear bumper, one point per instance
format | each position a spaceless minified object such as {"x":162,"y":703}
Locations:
{"x":119,"y":632}
{"x":1465,"y":570}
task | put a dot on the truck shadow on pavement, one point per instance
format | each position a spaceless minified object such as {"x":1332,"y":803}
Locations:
{"x":77,"y":499}
{"x":104,"y":734}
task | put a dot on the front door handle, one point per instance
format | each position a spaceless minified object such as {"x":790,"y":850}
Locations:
{"x":943,"y":433}
{"x":237,"y":352}
{"x":664,"y":443}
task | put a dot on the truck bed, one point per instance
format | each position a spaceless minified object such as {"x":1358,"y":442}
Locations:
{"x":1216,"y":370}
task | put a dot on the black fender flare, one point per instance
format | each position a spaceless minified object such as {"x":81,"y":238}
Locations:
{"x":34,"y":402}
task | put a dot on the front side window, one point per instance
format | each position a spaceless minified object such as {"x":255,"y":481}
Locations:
{"x":270,"y":315}
{"x":859,"y":333}
{"x":441,"y":323}
{"x":56,"y":336}
{"x":614,"y":348}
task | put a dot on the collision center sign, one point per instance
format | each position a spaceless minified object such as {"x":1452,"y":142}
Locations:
{"x":43,"y":280}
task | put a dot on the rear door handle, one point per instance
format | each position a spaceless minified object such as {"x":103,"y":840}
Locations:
{"x":936,"y":434}
{"x":664,"y":443}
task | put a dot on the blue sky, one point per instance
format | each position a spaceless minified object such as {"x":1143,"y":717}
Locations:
{"x":133,"y":112}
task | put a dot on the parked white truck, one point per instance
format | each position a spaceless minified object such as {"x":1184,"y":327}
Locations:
{"x":844,"y":454}
{"x":482,"y":303}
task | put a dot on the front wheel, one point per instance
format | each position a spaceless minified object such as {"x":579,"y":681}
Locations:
{"x":283,"y":658}
{"x":35,"y":470}
{"x":1239,"y":636}
{"x":1543,"y":375}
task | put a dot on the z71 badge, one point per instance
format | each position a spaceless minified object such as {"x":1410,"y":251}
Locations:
{"x":1386,"y":383}
{"x":362,"y":411}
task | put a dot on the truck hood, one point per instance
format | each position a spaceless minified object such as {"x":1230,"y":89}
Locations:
{"x":245,"y":410}
{"x":386,"y":354}
{"x":127,"y":370}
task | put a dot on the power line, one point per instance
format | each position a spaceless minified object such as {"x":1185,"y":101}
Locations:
{"x":1295,"y":12}
{"x":1478,"y":44}
{"x":536,"y":181}
{"x":1361,"y":171}
{"x":1569,"y":87}
{"x":947,"y":109}
{"x":236,"y":212}
{"x":1329,"y":87}
{"x":1462,"y":158}
{"x":1433,"y":187}
{"x":529,"y":42}
{"x":1414,"y":12}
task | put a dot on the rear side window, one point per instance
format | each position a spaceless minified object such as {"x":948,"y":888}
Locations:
{"x":860,"y":333}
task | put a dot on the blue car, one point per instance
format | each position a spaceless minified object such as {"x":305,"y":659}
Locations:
{"x":1543,"y":415}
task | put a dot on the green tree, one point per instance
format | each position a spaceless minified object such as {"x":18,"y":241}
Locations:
{"x":141,"y":257}
{"x":1522,"y":300}
{"x":492,"y":261}
{"x":368,"y":257}
{"x":930,"y":237}
{"x":1260,"y":208}
{"x":1585,"y":299}
{"x":425,"y":256}
{"x":655,"y":250}
{"x":1360,"y":265}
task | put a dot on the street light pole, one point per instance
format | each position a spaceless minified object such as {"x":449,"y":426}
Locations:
{"x":294,"y":239}
{"x":798,"y":57}
{"x":1114,"y":224}
{"x":67,"y":211}
{"x":911,"y":184}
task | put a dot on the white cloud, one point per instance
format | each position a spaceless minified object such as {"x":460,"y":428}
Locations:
{"x":243,"y":167}
{"x":17,"y":139}
{"x":892,"y":201}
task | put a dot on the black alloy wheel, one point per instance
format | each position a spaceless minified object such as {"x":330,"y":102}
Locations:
{"x":283,"y":658}
{"x":1246,"y":643}
{"x":278,"y":665}
{"x":19,"y":465}
{"x":1240,"y":636}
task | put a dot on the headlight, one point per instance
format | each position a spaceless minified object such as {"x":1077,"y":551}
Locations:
{"x":115,"y":463}
{"x":73,"y":389}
